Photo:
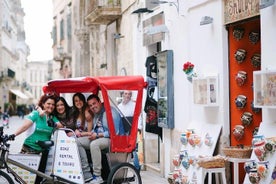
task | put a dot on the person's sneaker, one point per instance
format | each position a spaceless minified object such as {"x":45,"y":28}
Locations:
{"x":88,"y":180}
{"x":96,"y":180}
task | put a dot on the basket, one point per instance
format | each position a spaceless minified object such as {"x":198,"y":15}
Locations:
{"x":212,"y":162}
{"x":237,"y":152}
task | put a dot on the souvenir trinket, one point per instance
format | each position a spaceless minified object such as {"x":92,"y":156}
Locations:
{"x":262,"y":168}
{"x":240,"y":55}
{"x":246,"y":119}
{"x":249,"y":165}
{"x":254,"y":37}
{"x":238,"y":132}
{"x":183,"y":139}
{"x":241,"y":77}
{"x":208,"y":140}
{"x":257,"y":138}
{"x":259,"y":150}
{"x":176,"y":160}
{"x":256,"y":60}
{"x":238,"y":33}
{"x":254,"y":177}
{"x":240,"y":101}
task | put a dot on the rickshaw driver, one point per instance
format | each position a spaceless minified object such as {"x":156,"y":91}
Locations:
{"x":99,"y":138}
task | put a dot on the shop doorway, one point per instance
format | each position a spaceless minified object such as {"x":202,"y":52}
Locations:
{"x":244,"y":46}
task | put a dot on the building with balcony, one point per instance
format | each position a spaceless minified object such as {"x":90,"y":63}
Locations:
{"x":13,"y":54}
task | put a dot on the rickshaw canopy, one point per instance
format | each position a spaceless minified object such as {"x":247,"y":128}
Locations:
{"x":94,"y":84}
{"x":119,"y":143}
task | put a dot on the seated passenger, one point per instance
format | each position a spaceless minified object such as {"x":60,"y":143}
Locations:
{"x":99,"y":137}
{"x":82,"y":116}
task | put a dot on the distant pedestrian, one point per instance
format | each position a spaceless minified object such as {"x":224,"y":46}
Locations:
{"x":6,"y":117}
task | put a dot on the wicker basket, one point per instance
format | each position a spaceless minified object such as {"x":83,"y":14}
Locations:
{"x":237,"y":152}
{"x":211,"y":162}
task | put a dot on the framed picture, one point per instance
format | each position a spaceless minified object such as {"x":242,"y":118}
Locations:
{"x":264,"y":87}
{"x":205,"y":91}
{"x":165,"y":89}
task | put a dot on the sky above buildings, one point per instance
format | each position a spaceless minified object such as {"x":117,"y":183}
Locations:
{"x":38,"y":26}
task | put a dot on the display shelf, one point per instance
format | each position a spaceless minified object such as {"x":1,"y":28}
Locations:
{"x":264,"y":87}
{"x":200,"y":129}
{"x":267,"y":130}
{"x":205,"y":91}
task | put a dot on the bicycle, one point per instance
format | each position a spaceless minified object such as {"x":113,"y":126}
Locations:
{"x":52,"y":173}
{"x":120,"y":172}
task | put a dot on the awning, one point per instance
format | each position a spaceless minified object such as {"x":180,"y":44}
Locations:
{"x":29,"y":94}
{"x":19,"y":93}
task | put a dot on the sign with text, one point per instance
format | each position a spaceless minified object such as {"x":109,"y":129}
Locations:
{"x":236,"y":10}
{"x":64,"y":160}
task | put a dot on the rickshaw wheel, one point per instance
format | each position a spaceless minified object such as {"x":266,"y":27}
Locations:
{"x":124,"y":173}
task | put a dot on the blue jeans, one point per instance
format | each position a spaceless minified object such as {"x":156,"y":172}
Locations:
{"x":136,"y":159}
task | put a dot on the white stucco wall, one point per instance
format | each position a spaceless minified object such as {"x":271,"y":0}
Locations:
{"x":268,"y":47}
{"x":206,"y":47}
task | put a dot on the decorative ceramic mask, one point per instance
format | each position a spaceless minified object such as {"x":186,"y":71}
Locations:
{"x":185,"y":163}
{"x":238,"y":33}
{"x":254,"y":37}
{"x":256,"y":60}
{"x":249,"y":165}
{"x":238,"y":132}
{"x":270,"y":146}
{"x":208,"y":140}
{"x":241,"y":77}
{"x":176,"y":161}
{"x":254,"y":177}
{"x":246,"y":119}
{"x":257,"y":138}
{"x":259,"y":150}
{"x":255,"y":131}
{"x":240,"y":55}
{"x":262,"y":168}
{"x":183,"y":139}
{"x":240,"y":101}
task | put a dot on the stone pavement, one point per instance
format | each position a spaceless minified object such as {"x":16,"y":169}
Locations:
{"x":148,"y":177}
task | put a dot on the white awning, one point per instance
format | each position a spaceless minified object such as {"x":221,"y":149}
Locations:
{"x":29,"y":94}
{"x":19,"y":93}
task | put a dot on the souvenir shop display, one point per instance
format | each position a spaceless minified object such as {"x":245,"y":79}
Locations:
{"x":194,"y":142}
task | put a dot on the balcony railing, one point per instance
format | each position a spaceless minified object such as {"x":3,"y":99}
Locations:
{"x":103,"y":11}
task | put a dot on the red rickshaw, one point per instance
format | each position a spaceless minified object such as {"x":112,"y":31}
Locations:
{"x":110,"y":89}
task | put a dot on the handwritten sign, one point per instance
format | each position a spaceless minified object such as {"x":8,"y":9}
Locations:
{"x":236,"y":10}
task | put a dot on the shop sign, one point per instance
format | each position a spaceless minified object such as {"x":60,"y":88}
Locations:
{"x":154,"y":29}
{"x":236,"y":10}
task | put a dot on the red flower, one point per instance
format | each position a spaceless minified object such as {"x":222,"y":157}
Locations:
{"x":188,"y":67}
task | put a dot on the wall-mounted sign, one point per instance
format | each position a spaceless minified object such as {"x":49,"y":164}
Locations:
{"x":236,"y":10}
